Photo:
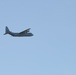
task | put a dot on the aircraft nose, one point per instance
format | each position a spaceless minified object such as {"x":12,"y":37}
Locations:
{"x":32,"y":35}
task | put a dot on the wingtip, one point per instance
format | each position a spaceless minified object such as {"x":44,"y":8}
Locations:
{"x":29,"y":28}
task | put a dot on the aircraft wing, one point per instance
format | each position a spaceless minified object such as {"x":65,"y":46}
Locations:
{"x":25,"y":31}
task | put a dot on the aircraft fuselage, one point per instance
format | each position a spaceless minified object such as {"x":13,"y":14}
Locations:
{"x":24,"y":33}
{"x":20,"y":35}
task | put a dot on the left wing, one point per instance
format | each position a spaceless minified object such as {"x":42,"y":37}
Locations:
{"x":25,"y":31}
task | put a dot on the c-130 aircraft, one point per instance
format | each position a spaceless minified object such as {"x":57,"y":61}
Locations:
{"x":24,"y":33}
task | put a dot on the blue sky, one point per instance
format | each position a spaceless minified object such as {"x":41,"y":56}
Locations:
{"x":52,"y":49}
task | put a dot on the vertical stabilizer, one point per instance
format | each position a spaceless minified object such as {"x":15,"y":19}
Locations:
{"x":6,"y":30}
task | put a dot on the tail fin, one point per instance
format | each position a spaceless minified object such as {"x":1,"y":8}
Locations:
{"x":6,"y":30}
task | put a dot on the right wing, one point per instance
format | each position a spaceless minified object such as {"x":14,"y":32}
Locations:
{"x":25,"y":31}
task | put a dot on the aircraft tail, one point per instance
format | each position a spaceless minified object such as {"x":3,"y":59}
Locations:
{"x":6,"y":30}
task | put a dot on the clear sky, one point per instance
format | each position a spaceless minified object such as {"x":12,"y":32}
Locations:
{"x":52,"y":49}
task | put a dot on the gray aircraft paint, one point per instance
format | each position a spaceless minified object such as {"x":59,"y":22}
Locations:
{"x":24,"y":33}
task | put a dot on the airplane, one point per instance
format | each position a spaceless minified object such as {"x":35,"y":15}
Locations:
{"x":24,"y":33}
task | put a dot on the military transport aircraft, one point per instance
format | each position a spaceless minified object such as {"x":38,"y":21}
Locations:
{"x":24,"y":33}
